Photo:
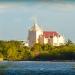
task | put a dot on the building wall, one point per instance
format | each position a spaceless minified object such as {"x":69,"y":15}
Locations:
{"x":55,"y":41}
{"x":38,"y":34}
{"x":61,"y":40}
{"x":32,"y":38}
{"x":45,"y":40}
{"x":58,"y":40}
{"x":41,"y":39}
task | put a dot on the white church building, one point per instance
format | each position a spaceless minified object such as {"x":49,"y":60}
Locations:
{"x":37,"y":35}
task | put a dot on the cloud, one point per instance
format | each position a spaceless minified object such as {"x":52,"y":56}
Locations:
{"x":15,"y":6}
{"x":4,"y":6}
{"x":38,"y":7}
{"x":62,"y":6}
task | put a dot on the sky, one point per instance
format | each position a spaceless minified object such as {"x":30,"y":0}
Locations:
{"x":16,"y":17}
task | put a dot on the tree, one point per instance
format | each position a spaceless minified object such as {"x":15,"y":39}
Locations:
{"x":69,"y":42}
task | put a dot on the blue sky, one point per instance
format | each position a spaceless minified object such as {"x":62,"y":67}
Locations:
{"x":54,"y":15}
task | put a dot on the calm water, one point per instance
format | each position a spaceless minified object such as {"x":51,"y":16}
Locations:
{"x":37,"y":68}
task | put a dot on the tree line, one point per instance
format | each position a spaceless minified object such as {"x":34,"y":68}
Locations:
{"x":17,"y":51}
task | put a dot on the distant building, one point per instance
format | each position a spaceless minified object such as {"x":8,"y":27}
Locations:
{"x":37,"y":35}
{"x":25,"y":43}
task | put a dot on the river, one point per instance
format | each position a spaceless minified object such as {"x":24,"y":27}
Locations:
{"x":36,"y":68}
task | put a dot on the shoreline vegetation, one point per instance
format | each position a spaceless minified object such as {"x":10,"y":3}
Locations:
{"x":16,"y":51}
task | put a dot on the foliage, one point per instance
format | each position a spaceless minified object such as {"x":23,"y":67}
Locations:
{"x":15,"y":50}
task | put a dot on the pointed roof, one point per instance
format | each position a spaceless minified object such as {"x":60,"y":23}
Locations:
{"x":35,"y":27}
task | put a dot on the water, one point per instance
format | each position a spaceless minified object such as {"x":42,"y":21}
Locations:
{"x":37,"y":68}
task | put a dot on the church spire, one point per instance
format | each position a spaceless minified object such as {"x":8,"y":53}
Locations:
{"x":35,"y":26}
{"x":34,"y":21}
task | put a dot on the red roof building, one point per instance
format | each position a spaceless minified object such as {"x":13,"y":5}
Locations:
{"x":37,"y":35}
{"x":50,"y":34}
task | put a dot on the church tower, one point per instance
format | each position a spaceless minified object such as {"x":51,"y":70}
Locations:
{"x":34,"y":33}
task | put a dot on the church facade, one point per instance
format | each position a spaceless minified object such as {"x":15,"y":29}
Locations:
{"x":37,"y":35}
